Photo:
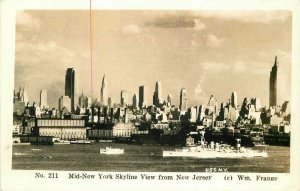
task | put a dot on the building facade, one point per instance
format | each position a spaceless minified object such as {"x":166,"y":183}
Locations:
{"x":124,"y":98}
{"x":234,"y":100}
{"x":142,"y":96}
{"x":103,"y":93}
{"x":70,"y":86}
{"x":100,"y":134}
{"x":84,"y":101}
{"x":109,"y":102}
{"x":157,"y":95}
{"x":20,"y":101}
{"x":64,"y":129}
{"x":183,"y":100}
{"x":123,"y":129}
{"x":64,"y":103}
{"x":99,"y":131}
{"x":169,"y":100}
{"x":43,"y":99}
{"x":273,"y":85}
{"x":212,"y":106}
{"x":134,"y":102}
{"x":162,"y":126}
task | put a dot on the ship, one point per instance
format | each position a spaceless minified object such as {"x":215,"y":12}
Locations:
{"x":111,"y":151}
{"x":257,"y":138}
{"x":215,"y":151}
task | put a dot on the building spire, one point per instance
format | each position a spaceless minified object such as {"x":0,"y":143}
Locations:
{"x":103,"y":81}
{"x":273,"y":84}
{"x":103,"y":93}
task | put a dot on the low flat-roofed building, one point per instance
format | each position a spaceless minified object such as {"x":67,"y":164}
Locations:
{"x":123,"y":129}
{"x":285,"y":128}
{"x":161,"y":126}
{"x":65,"y":129}
{"x":220,"y":124}
{"x":16,"y":129}
{"x":275,"y":120}
{"x":207,"y":121}
{"x":28,"y":125}
{"x":281,"y":129}
{"x":146,"y":132}
{"x":99,"y":131}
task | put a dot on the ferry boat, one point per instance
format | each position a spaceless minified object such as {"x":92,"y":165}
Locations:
{"x":80,"y":142}
{"x":62,"y":142}
{"x":19,"y":154}
{"x":47,"y":157}
{"x":36,"y":149}
{"x":215,"y":151}
{"x":105,"y":141}
{"x":112,"y":151}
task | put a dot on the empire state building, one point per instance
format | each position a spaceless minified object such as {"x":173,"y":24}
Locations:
{"x":273,"y":85}
{"x":103,"y":92}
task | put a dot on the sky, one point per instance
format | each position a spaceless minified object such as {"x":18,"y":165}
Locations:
{"x":206,"y":52}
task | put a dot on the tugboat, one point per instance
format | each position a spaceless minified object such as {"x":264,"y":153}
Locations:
{"x":112,"y":151}
{"x":257,"y":138}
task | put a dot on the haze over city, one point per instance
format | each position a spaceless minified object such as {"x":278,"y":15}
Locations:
{"x":206,"y":52}
{"x":148,"y":86}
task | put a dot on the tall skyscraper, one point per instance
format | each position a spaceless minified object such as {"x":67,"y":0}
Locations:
{"x":134,"y":102}
{"x":213,"y":104}
{"x":234,"y":100}
{"x":142,"y":96}
{"x":109,"y":102}
{"x":83,"y":101}
{"x":43,"y":99}
{"x":70,"y":86}
{"x":103,"y":92}
{"x":124,"y":98}
{"x":157,"y":94}
{"x":23,"y":96}
{"x":64,"y":103}
{"x":15,"y":96}
{"x":169,"y":100}
{"x":273,"y":85}
{"x":201,"y":112}
{"x":89,"y":101}
{"x":183,"y":100}
{"x":256,"y":103}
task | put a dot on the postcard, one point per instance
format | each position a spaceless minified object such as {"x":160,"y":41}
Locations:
{"x":159,"y":95}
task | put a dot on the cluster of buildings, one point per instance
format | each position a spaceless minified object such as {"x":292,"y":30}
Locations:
{"x":101,"y":119}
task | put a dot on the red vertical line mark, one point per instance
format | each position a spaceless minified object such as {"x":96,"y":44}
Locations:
{"x":91,"y":47}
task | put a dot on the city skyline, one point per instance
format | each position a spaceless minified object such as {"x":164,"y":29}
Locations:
{"x":189,"y":53}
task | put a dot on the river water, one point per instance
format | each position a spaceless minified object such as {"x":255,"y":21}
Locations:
{"x":138,"y":158}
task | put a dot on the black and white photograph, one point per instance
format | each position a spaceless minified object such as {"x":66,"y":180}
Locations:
{"x":120,"y":93}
